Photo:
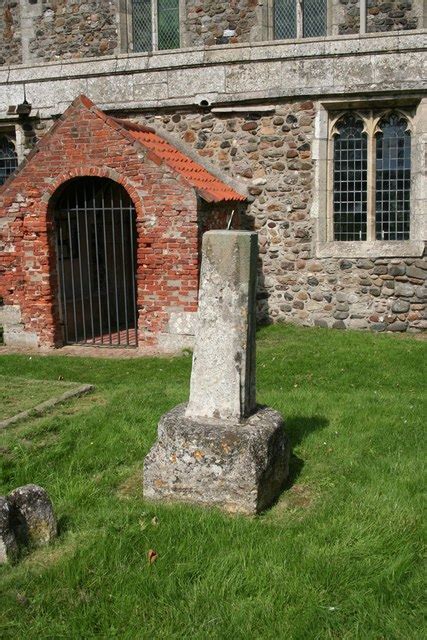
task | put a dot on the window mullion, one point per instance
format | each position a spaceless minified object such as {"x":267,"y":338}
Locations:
{"x":330,"y":187}
{"x":155,"y":24}
{"x":300,"y":19}
{"x":370,"y":214}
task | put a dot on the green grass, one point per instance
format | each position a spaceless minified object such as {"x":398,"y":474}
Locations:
{"x":339,"y":556}
{"x":20,"y":394}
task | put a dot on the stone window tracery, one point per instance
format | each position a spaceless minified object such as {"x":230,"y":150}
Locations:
{"x":369,"y":176}
{"x":8,"y":157}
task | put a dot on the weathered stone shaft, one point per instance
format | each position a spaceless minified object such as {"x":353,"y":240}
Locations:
{"x":223,"y":373}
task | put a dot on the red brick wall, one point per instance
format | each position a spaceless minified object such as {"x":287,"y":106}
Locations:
{"x":84,"y":142}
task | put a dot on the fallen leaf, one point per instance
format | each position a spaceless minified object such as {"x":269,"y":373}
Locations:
{"x":155,"y":521}
{"x":152,"y":556}
{"x":22,"y":599}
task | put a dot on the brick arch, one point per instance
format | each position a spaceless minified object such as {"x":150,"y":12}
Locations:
{"x":94,"y":172}
{"x":46,"y":209}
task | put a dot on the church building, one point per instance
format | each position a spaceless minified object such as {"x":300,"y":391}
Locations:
{"x":130,"y":127}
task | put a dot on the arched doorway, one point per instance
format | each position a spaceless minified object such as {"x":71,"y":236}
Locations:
{"x":94,"y":221}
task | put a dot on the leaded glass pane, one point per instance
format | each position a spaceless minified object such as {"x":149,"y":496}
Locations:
{"x":285,"y":19}
{"x":393,"y":179}
{"x":142,"y":25}
{"x":168,"y":24}
{"x":350,"y":180}
{"x":314,"y":18}
{"x":8,"y":158}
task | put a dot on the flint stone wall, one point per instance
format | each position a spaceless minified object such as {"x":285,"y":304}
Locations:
{"x":273,"y":154}
{"x":211,"y":22}
{"x":75,"y":29}
{"x":348,"y":16}
{"x":390,"y":15}
{"x":49,"y":30}
{"x":10,"y":32}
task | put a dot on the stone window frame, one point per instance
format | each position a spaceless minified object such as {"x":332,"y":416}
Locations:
{"x":268,"y":20}
{"x":13,"y":131}
{"x":126,"y":27}
{"x":321,"y":210}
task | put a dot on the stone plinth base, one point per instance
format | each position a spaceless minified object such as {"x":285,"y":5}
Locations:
{"x":239,"y":467}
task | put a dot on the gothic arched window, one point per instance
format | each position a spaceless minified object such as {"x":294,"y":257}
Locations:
{"x":350,"y":157}
{"x":8,"y":158}
{"x":392,"y":178}
{"x":370,"y":176}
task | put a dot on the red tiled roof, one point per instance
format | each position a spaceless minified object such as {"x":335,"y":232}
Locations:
{"x":206,"y":184}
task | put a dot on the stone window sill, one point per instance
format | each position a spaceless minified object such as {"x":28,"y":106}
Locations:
{"x":376,"y":249}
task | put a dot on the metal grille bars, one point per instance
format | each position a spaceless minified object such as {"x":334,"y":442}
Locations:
{"x":96,"y":257}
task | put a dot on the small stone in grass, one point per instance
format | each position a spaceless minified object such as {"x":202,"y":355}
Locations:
{"x":32,"y":516}
{"x":8,"y":546}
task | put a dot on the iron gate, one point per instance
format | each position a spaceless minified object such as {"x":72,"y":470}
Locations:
{"x":96,"y":257}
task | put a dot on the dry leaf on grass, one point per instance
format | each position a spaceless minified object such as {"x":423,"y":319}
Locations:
{"x":152,"y":556}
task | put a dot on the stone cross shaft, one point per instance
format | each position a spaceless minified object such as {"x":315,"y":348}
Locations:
{"x":223,"y":373}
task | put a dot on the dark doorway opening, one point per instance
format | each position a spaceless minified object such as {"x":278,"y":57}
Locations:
{"x":96,"y":257}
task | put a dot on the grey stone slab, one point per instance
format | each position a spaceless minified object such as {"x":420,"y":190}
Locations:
{"x":48,"y":404}
{"x":32,"y":517}
{"x":183,"y":323}
{"x":15,"y":336}
{"x":253,"y":77}
{"x":238,"y":467}
{"x":199,"y":80}
{"x":10,"y":314}
{"x":223,"y":373}
{"x":118,"y":88}
{"x":8,"y":545}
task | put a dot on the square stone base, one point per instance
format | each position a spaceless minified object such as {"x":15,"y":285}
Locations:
{"x":240,"y":468}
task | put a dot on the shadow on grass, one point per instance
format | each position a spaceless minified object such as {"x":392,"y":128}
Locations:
{"x":298,"y":428}
{"x":63,"y":525}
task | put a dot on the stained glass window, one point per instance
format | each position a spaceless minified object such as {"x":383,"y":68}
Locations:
{"x":155,"y":24}
{"x":142,"y":24}
{"x":8,"y":158}
{"x":350,"y":179}
{"x":285,"y":19}
{"x":392,"y":179}
{"x":168,"y":24}
{"x":313,"y":22}
{"x":314,"y":18}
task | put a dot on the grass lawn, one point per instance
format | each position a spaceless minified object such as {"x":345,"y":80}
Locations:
{"x":339,"y":556}
{"x":20,"y":394}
